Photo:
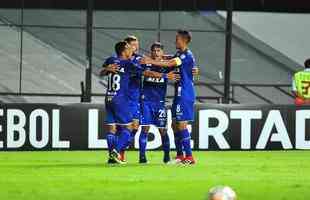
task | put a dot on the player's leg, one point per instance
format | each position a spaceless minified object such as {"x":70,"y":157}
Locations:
{"x":185,"y":136}
{"x":135,"y":127}
{"x":134,"y":108}
{"x":143,"y":144}
{"x":177,"y":138}
{"x":123,"y":119}
{"x":124,"y":131}
{"x":146,"y":121}
{"x":184,"y":113}
{"x":161,"y":122}
{"x":111,"y":138}
{"x":165,"y":144}
{"x":110,"y":129}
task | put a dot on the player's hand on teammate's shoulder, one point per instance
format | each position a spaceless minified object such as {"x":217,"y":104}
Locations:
{"x":173,"y":76}
{"x":146,"y":60}
{"x":112,"y":68}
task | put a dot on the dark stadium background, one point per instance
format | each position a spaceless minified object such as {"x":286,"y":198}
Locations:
{"x":64,"y":26}
{"x":239,"y":5}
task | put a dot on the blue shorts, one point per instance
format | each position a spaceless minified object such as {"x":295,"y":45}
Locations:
{"x":182,"y":110}
{"x":154,"y":113}
{"x":117,"y":112}
{"x":134,"y":108}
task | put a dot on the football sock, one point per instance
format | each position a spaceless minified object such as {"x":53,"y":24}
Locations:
{"x":142,"y":143}
{"x":166,"y":144}
{"x":132,"y":136}
{"x":186,"y":142}
{"x":111,"y":138}
{"x":123,"y":138}
{"x":178,"y":144}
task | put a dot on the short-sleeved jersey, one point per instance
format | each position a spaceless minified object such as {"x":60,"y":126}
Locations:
{"x":155,"y":89}
{"x":134,"y":88}
{"x":184,"y":89}
{"x":118,"y":82}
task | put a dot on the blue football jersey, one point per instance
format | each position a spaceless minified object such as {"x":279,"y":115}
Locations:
{"x":184,"y":89}
{"x":134,"y":88}
{"x":118,"y":82}
{"x":155,"y":89}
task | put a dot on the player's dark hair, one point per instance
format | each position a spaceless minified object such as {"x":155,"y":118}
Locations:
{"x":185,"y":34}
{"x":120,"y":47}
{"x":307,"y":63}
{"x":130,"y":38}
{"x":157,"y":45}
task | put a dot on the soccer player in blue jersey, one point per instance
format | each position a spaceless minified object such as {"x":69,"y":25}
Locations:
{"x":183,"y":103}
{"x":153,"y":105}
{"x":118,"y":116}
{"x":134,"y":89}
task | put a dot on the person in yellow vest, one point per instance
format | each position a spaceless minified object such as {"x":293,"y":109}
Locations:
{"x":301,"y":85}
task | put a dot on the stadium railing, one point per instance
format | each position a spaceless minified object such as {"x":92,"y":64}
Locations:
{"x":199,"y":98}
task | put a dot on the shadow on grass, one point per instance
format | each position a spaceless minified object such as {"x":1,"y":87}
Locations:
{"x":79,"y":165}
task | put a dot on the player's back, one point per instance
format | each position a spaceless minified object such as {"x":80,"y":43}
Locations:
{"x":118,"y":82}
{"x":185,"y":87}
{"x":134,"y":87}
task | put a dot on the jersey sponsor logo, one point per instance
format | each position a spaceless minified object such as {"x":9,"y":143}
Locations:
{"x":182,"y":56}
{"x":154,"y":80}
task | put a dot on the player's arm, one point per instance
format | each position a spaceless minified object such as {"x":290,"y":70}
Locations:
{"x":195,"y":71}
{"x":107,"y":68}
{"x":294,"y":88}
{"x":174,"y":62}
{"x":152,"y":74}
{"x":170,"y":76}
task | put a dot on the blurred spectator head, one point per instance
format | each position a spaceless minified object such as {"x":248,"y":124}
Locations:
{"x":307,"y":63}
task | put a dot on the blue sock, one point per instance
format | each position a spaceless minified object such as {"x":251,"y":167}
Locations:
{"x":166,"y":143}
{"x":111,"y":139}
{"x":178,"y":144}
{"x":142,"y":143}
{"x":123,"y":138}
{"x":186,"y":142}
{"x":132,"y":136}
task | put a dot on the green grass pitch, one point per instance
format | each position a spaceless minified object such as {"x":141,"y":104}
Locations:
{"x":275,"y":175}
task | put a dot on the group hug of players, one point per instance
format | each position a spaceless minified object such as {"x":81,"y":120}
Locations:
{"x":135,"y":96}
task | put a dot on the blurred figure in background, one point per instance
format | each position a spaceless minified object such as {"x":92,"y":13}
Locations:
{"x":301,"y":85}
{"x":222,"y":193}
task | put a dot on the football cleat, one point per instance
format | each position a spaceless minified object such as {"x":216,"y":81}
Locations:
{"x":188,"y":160}
{"x":166,"y":159}
{"x":111,"y":161}
{"x":179,"y":159}
{"x":117,"y":157}
{"x":143,"y":160}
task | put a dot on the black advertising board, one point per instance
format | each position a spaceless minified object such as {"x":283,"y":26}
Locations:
{"x":216,"y":127}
